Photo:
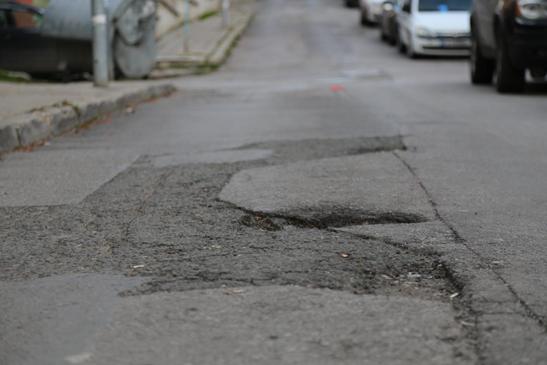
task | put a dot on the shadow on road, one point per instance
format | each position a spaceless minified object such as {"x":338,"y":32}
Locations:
{"x":536,"y":88}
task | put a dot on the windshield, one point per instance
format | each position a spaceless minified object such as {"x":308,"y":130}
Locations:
{"x":444,"y":5}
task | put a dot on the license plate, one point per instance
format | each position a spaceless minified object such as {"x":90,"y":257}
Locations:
{"x":454,"y":43}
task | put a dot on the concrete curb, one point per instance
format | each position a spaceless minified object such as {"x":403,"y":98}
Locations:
{"x":43,"y":123}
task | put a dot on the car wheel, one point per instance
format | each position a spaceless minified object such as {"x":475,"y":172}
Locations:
{"x":401,"y":46}
{"x":383,"y":35}
{"x":394,"y":37}
{"x":391,"y":40}
{"x":410,"y":50}
{"x":508,"y":78}
{"x":482,"y":69}
{"x":364,"y":18}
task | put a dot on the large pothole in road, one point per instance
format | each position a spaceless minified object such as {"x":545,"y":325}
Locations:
{"x":334,"y":192}
{"x":168,"y":224}
{"x":198,"y":241}
{"x":327,"y":217}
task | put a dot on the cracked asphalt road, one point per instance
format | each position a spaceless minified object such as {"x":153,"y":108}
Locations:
{"x":319,"y":200}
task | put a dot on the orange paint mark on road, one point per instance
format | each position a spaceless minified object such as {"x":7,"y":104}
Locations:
{"x":336,"y":88}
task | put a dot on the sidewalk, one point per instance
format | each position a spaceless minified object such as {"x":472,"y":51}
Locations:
{"x":208,"y":42}
{"x":33,"y":112}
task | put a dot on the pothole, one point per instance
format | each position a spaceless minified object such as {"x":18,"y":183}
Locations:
{"x":341,"y":191}
{"x":168,"y":225}
{"x":325,"y":217}
{"x":260,"y":221}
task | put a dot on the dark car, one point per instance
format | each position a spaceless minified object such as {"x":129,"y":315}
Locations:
{"x":23,"y":47}
{"x":389,"y":28}
{"x":508,"y":37}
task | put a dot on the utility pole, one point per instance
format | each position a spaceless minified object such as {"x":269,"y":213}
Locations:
{"x":100,"y":44}
{"x":225,"y":6}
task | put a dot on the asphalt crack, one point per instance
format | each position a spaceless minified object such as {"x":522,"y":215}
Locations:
{"x":458,"y":238}
{"x":324,"y":217}
{"x":467,"y":313}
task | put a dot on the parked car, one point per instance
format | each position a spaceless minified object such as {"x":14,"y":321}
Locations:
{"x":389,"y":28}
{"x":56,"y":41}
{"x":434,"y":27}
{"x":507,"y":38}
{"x":25,"y":48}
{"x":371,"y":10}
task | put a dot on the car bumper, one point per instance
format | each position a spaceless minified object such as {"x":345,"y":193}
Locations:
{"x":528,"y":47}
{"x":442,"y":46}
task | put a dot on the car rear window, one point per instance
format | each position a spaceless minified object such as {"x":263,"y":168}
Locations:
{"x":444,"y":5}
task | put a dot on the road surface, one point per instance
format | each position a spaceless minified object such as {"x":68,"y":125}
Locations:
{"x":318,"y":200}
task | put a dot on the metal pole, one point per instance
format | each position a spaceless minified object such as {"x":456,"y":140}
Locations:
{"x":186,"y":26}
{"x":225,"y":5}
{"x":100,"y":44}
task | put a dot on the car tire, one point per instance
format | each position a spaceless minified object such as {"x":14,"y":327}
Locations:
{"x":394,"y":37}
{"x":391,"y":40}
{"x":364,"y":19}
{"x":401,"y":48}
{"x":410,"y":53}
{"x":508,"y":78}
{"x":481,"y":68}
{"x":383,"y":36}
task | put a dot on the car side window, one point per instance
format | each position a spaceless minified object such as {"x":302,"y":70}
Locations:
{"x":26,"y":20}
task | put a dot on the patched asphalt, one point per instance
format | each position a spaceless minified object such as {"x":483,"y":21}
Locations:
{"x":168,"y":224}
{"x":281,"y":325}
{"x":145,"y":229}
{"x":167,"y":228}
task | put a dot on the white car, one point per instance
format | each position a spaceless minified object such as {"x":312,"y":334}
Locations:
{"x":434,"y":27}
{"x":371,"y":10}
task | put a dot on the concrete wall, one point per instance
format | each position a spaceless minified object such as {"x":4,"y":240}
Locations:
{"x":171,"y":12}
